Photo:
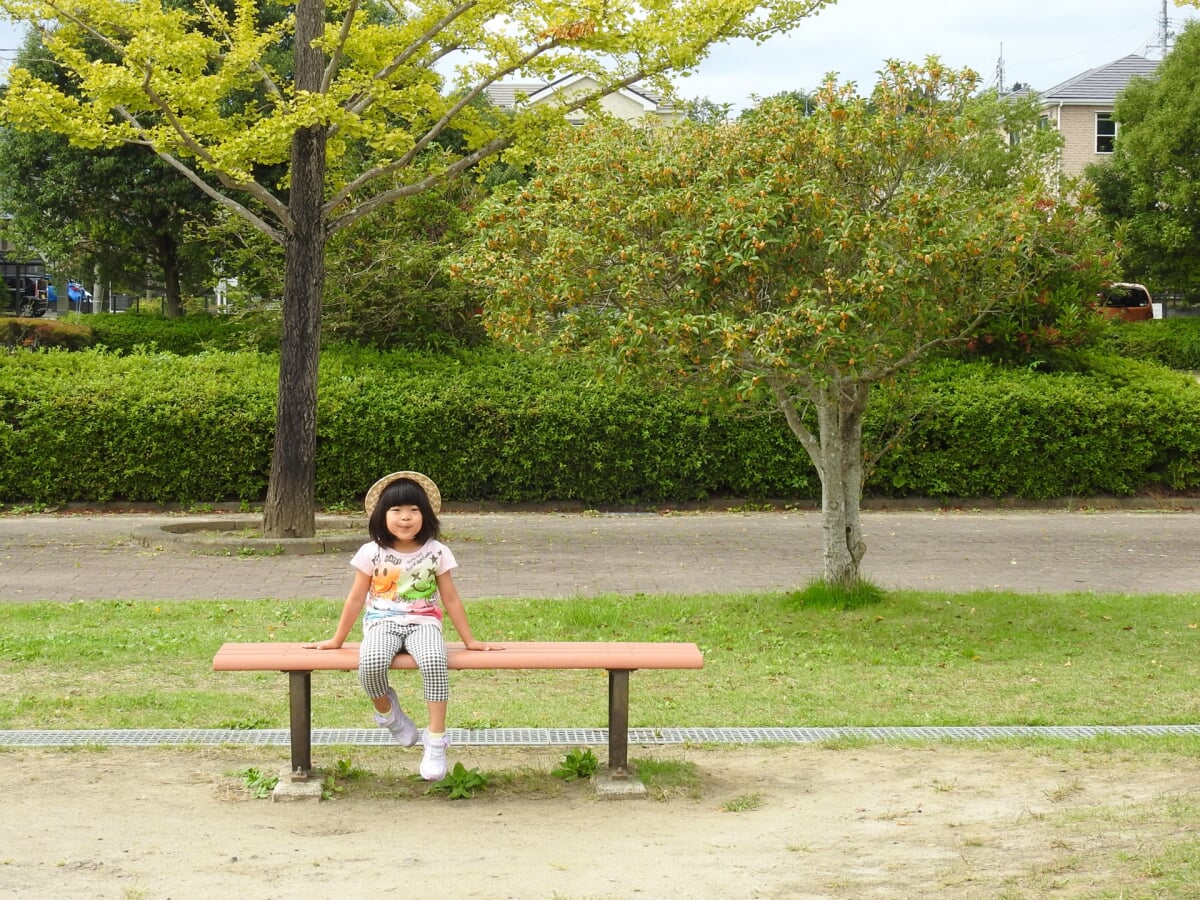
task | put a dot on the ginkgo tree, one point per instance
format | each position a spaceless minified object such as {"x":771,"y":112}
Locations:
{"x":802,"y":254}
{"x":358,"y":119}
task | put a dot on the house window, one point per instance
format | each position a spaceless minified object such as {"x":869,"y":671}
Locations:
{"x":1106,"y":132}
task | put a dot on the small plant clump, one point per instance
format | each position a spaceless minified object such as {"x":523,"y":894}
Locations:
{"x":822,"y":595}
{"x":461,"y":783}
{"x":577,"y":764}
{"x":743,"y":803}
{"x":259,"y":785}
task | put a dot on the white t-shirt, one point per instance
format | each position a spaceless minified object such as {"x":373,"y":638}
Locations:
{"x":403,"y":585}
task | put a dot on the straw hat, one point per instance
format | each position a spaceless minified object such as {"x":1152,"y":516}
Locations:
{"x":431,"y":490}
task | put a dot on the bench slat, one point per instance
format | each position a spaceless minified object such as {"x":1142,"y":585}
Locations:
{"x":618,"y":655}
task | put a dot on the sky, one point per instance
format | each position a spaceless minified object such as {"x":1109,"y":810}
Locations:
{"x":1041,"y":43}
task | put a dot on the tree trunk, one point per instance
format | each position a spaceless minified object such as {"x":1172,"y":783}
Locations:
{"x":840,"y":419}
{"x":290,"y":509}
{"x":836,"y":452}
{"x":168,"y":260}
{"x":99,"y":289}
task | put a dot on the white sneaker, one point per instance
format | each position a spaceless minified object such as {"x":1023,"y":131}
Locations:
{"x":433,"y":764}
{"x":403,"y":729}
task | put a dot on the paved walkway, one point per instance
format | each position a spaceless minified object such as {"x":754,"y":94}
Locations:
{"x":127,"y":556}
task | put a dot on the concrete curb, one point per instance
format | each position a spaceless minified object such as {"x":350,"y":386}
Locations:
{"x":219,"y":536}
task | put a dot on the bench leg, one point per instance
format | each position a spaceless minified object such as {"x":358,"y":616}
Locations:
{"x":618,"y":721}
{"x":300,"y":703}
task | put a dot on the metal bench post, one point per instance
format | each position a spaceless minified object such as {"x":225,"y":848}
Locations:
{"x":618,"y":721}
{"x":300,"y":702}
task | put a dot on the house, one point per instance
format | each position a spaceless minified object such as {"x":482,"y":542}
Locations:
{"x":630,"y":103}
{"x":1082,"y":109}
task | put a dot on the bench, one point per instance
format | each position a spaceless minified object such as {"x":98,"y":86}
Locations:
{"x":618,"y":658}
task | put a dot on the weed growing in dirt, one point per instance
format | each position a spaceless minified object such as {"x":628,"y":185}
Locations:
{"x":461,"y":783}
{"x":1064,"y":791}
{"x":576,"y":765}
{"x":668,"y":778}
{"x":345,"y":770}
{"x":743,"y":803}
{"x":259,"y":785}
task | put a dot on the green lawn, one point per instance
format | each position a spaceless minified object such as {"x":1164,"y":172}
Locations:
{"x":916,"y":658}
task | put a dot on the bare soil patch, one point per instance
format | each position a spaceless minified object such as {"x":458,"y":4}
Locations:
{"x":875,"y":821}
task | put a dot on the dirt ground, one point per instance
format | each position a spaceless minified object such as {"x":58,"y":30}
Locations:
{"x":952,"y":820}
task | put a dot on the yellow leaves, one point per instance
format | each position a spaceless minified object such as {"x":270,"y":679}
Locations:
{"x":571,"y":31}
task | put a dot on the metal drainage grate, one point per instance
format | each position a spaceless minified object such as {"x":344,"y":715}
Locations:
{"x":557,"y":737}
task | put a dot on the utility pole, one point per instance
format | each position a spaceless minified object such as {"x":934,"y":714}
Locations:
{"x":1165,"y":35}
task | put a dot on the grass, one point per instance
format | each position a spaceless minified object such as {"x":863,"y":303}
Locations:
{"x":904,"y":658}
{"x":912,"y":658}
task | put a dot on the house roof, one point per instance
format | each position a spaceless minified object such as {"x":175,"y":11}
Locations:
{"x":504,"y":94}
{"x":1102,"y":84}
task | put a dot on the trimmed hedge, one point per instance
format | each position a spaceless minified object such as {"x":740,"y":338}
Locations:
{"x":1173,"y":342}
{"x":133,"y":332}
{"x":1120,"y":427}
{"x":153,"y":427}
{"x":43,"y":334}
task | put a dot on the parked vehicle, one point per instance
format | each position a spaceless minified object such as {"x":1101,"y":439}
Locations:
{"x":1126,"y":301}
{"x":27,"y":296}
{"x":79,"y":299}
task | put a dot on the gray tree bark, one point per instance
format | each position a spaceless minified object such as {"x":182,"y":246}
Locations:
{"x":837,"y":454}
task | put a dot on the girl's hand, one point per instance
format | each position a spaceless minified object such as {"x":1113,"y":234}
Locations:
{"x":322,"y":645}
{"x":480,"y":645}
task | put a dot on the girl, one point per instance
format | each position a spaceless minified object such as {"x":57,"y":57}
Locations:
{"x":401,"y":574}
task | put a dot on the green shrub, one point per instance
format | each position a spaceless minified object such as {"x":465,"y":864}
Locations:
{"x":43,"y":334}
{"x":494,"y":426}
{"x":1118,"y":427}
{"x":1173,"y":342}
{"x":132,"y":331}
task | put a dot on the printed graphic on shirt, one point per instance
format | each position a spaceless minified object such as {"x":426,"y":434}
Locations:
{"x":404,"y":584}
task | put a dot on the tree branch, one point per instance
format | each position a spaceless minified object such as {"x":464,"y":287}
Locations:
{"x":408,"y":190}
{"x":267,"y":81}
{"x":431,"y":135}
{"x":335,"y":58}
{"x":783,"y":397}
{"x":226,"y":201}
{"x":361,"y":101}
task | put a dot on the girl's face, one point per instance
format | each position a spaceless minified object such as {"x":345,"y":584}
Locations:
{"x":404,"y":522}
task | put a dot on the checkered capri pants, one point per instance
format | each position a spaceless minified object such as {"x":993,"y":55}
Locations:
{"x":424,"y":643}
